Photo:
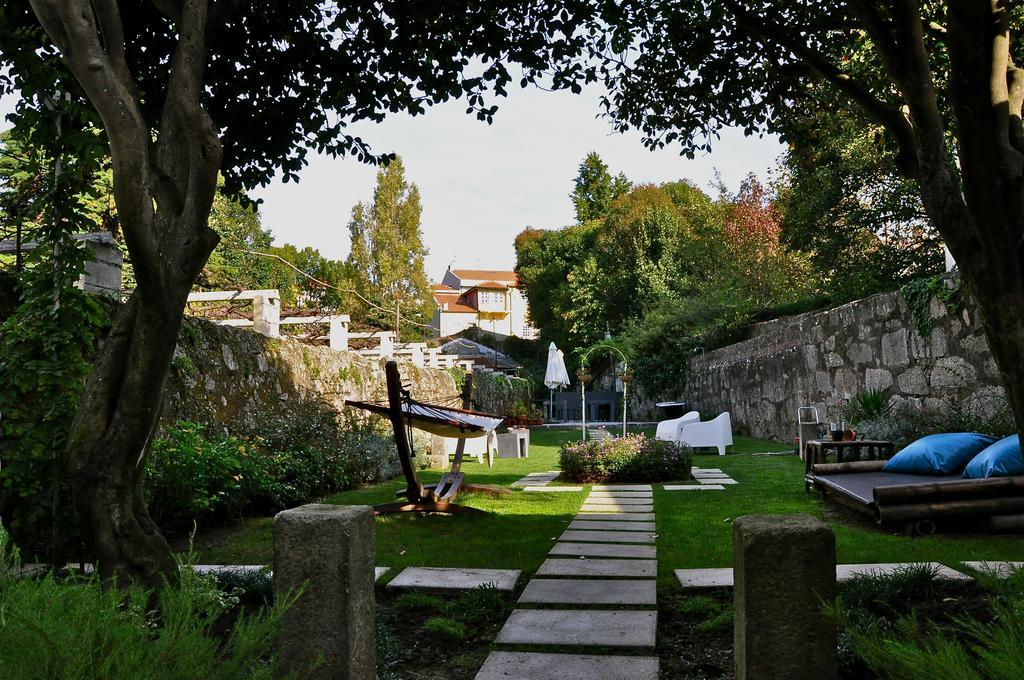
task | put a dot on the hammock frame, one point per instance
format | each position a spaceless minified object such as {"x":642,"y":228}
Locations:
{"x":438,"y":497}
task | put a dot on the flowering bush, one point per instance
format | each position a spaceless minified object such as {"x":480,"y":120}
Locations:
{"x":633,"y":458}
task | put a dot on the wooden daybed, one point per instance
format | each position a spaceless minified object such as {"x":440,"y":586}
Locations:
{"x":918,"y":502}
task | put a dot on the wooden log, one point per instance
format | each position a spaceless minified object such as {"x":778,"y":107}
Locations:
{"x":993,"y":487}
{"x":1005,"y":524}
{"x":910,"y":512}
{"x":852,"y":466}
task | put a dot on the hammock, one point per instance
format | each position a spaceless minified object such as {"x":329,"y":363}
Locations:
{"x":439,"y":420}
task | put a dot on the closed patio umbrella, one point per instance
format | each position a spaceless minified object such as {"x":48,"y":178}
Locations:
{"x":555,"y":375}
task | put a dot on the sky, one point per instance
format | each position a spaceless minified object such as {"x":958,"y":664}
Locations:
{"x":481,"y":184}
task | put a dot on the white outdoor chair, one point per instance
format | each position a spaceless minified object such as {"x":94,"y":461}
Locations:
{"x":669,"y":429}
{"x":715,"y":433}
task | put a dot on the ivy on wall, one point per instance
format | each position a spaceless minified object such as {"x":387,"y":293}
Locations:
{"x":918,"y":295}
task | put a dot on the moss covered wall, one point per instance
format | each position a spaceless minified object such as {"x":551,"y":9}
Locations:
{"x":234,"y":377}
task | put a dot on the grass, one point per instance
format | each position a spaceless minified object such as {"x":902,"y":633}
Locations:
{"x":694,"y":528}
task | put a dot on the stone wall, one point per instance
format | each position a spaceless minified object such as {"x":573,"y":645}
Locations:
{"x":820,"y":358}
{"x":235,"y":378}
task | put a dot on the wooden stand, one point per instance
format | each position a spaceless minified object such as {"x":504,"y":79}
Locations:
{"x":438,"y":497}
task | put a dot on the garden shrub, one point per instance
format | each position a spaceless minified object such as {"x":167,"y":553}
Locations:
{"x":79,"y":630}
{"x":195,"y":474}
{"x":633,"y":458}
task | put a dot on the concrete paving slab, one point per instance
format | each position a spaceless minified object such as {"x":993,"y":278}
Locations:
{"x":573,"y":568}
{"x":454,"y":579}
{"x":607,"y":536}
{"x":227,"y":568}
{"x":533,"y":666}
{"x":605,"y":525}
{"x":579,"y":627}
{"x":549,"y":473}
{"x":847,"y":571}
{"x":617,"y":516}
{"x":380,"y":571}
{"x":621,"y":494}
{"x":599,"y":500}
{"x":694,"y":487}
{"x":594,"y":507}
{"x":705,"y":578}
{"x":1000,"y":569}
{"x":643,"y":552}
{"x":542,"y":488}
{"x":589,"y":591}
{"x":621,"y":487}
{"x":528,"y":482}
{"x":697,"y":469}
{"x":716,"y":480}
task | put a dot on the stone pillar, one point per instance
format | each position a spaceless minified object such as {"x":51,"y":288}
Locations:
{"x":387,"y":344}
{"x":266,"y":316}
{"x":330,"y":550}
{"x":417,"y":356}
{"x":339,"y":332}
{"x":784,"y":570}
{"x":103,"y":272}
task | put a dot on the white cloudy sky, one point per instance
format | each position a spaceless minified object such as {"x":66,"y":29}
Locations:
{"x":481,"y":185}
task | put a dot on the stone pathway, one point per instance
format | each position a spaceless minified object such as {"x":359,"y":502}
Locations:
{"x":535,"y":479}
{"x":453,"y":578}
{"x":711,"y":479}
{"x":605,"y":558}
{"x":722,"y":577}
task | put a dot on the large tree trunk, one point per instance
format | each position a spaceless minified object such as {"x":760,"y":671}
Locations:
{"x":110,"y":438}
{"x":165,"y":179}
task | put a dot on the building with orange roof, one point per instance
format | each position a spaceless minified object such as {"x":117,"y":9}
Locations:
{"x":489,"y":299}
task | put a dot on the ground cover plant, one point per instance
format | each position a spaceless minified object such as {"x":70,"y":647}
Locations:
{"x":73,"y":627}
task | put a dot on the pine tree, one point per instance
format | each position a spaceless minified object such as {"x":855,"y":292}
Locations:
{"x":595,"y":189}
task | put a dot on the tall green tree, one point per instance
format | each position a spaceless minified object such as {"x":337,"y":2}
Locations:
{"x":185,"y":90}
{"x":594,"y":188}
{"x":942,"y":80}
{"x":387,"y":248}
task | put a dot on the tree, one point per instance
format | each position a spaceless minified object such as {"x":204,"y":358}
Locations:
{"x":844,"y":204}
{"x":594,"y":188}
{"x":187,"y":89}
{"x":930,"y":74}
{"x":387,"y":248}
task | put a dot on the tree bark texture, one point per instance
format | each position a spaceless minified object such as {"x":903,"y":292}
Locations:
{"x":165,"y":177}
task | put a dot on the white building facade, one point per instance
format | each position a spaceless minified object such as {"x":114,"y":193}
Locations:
{"x":487,"y":298}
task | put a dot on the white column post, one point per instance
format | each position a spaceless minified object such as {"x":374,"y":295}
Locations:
{"x":266,"y":316}
{"x":339,"y":332}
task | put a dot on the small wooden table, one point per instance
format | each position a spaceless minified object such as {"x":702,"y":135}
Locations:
{"x":817,"y":451}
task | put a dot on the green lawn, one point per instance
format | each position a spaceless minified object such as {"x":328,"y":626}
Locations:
{"x":694,"y":528}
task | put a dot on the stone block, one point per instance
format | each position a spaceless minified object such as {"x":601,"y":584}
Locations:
{"x":951,"y":373}
{"x":538,"y":666}
{"x":606,"y":525}
{"x":590,"y":591}
{"x":639,"y":552}
{"x":622,"y":568}
{"x":877,"y":379}
{"x":705,"y":578}
{"x":913,"y":381}
{"x":607,"y":536}
{"x":328,"y":549}
{"x":454,"y":578}
{"x":894,"y":349}
{"x":579,"y":628}
{"x":784,"y":570}
{"x":594,"y":507}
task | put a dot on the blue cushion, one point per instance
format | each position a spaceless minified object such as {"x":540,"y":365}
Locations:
{"x":1002,"y":459}
{"x":939,"y":454}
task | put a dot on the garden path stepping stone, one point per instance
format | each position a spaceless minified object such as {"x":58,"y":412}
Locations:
{"x":621,"y":494}
{"x":626,"y":568}
{"x":592,"y":500}
{"x":454,"y":579}
{"x":714,"y":480}
{"x":542,"y":488}
{"x":533,"y":666}
{"x":582,"y":524}
{"x":379,"y":571}
{"x":1000,"y":569}
{"x":697,"y":469}
{"x":590,"y":591}
{"x":621,"y":487}
{"x":617,"y":516}
{"x":593,"y":507}
{"x":694,"y":487}
{"x":705,"y":578}
{"x":607,"y":536}
{"x":579,"y":627}
{"x":605,"y":550}
{"x":845,"y":572}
